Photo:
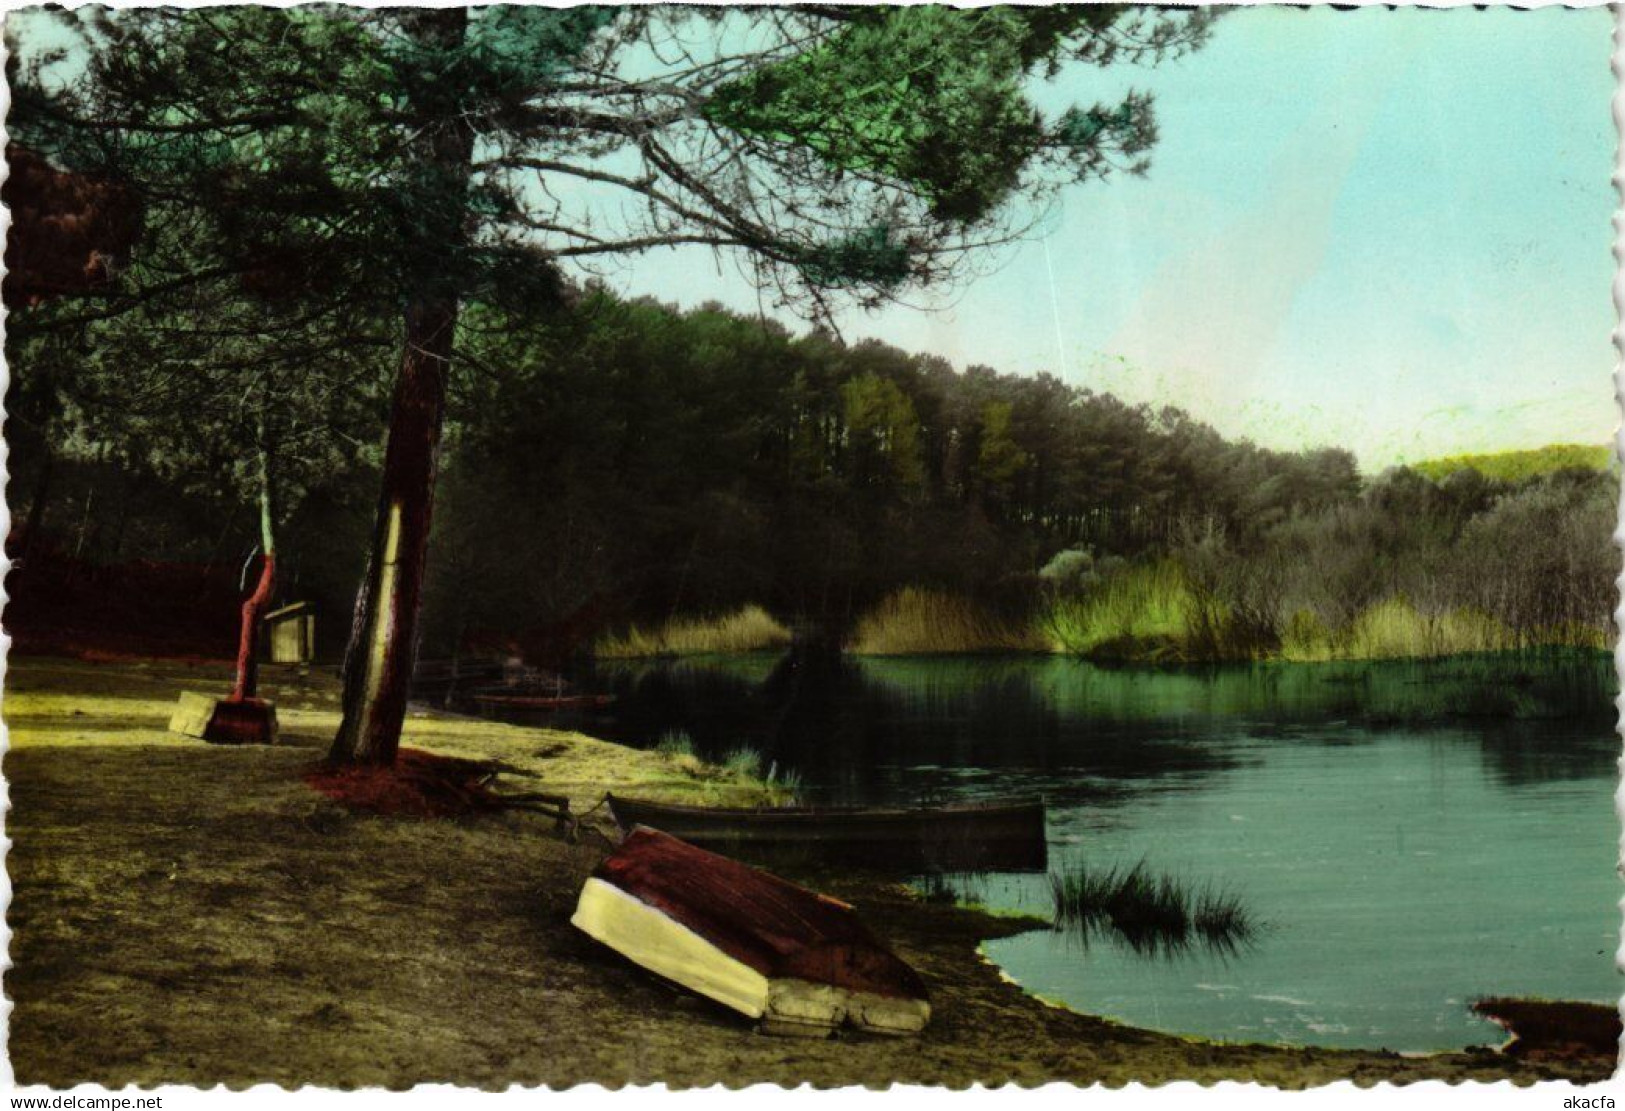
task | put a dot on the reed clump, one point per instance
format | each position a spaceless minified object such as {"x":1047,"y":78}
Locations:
{"x":1157,"y":614}
{"x":1394,"y":628}
{"x":749,"y":629}
{"x":1153,"y":913}
{"x":915,"y":621}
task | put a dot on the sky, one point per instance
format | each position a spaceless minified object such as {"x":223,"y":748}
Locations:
{"x":1384,"y":230}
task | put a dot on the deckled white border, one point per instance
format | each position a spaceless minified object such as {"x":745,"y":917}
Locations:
{"x":1051,"y":1097}
{"x":1619,"y":453}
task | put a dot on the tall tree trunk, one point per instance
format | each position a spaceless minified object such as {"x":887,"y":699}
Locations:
{"x":247,"y":685}
{"x":383,"y":639}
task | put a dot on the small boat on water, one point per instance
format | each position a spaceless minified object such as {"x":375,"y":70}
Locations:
{"x":1007,"y":835}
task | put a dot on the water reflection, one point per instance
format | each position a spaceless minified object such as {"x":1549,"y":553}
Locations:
{"x":1416,"y":834}
{"x":924,"y":729}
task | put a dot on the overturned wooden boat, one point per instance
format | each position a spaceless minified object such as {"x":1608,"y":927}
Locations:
{"x":1006,"y":835}
{"x":801,"y":962}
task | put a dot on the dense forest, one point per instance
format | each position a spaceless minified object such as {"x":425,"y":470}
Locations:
{"x":617,"y":463}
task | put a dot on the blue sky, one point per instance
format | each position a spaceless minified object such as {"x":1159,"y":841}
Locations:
{"x":1386,"y":230}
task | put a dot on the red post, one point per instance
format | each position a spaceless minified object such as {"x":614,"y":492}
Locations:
{"x":247,"y":643}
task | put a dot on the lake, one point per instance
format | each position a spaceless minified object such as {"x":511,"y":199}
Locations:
{"x":1413,"y":835}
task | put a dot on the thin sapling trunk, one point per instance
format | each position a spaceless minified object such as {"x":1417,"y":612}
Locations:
{"x":247,"y":685}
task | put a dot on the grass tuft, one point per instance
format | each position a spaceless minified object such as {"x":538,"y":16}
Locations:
{"x":675,"y":743}
{"x":743,"y":761}
{"x":787,"y":780}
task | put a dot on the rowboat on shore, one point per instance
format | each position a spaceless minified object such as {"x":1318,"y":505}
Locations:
{"x":1007,"y":835}
{"x":800,"y":962}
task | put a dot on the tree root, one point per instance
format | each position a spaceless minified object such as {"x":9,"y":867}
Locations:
{"x":427,"y":785}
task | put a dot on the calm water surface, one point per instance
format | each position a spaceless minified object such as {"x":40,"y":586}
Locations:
{"x":1413,"y":835}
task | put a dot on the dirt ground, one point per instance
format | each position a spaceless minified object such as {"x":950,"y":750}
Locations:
{"x":185,"y":913}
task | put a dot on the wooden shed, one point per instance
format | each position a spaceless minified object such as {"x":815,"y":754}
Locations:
{"x":290,"y":634}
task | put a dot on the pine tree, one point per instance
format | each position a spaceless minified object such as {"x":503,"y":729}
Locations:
{"x":408,"y":162}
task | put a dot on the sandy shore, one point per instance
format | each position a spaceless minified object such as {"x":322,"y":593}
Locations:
{"x":191,"y":914}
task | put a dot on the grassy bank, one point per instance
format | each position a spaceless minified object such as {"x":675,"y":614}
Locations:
{"x":751,"y":629}
{"x":1153,"y":614}
{"x":64,"y":704}
{"x":173,"y":898}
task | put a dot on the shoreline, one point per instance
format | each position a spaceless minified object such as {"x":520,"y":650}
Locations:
{"x":213,"y":894}
{"x":1522,"y":1035}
